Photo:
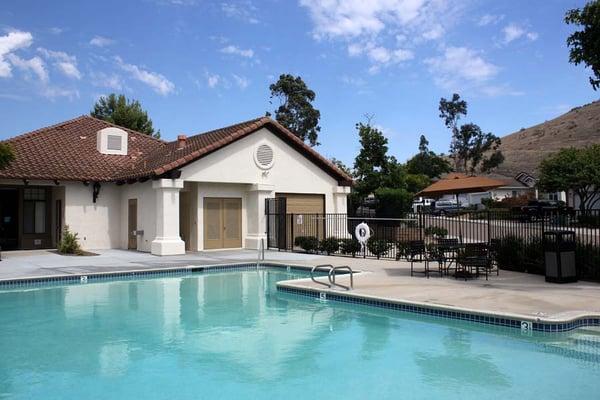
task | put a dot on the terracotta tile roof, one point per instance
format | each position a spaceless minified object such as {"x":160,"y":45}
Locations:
{"x":170,"y":157}
{"x":458,"y":184}
{"x":67,"y":151}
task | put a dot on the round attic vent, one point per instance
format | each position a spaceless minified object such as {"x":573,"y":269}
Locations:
{"x":264,"y":156}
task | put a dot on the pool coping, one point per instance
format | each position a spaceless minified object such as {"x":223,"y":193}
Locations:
{"x":512,"y":320}
{"x":507,"y":319}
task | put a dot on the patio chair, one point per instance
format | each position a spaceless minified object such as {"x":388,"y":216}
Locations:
{"x":494,"y":246}
{"x":475,"y":256}
{"x":418,"y":252}
{"x":448,"y":248}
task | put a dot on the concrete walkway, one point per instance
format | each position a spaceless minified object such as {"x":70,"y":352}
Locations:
{"x":511,"y":294}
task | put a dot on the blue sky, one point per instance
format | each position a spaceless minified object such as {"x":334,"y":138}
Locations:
{"x":198,"y":64}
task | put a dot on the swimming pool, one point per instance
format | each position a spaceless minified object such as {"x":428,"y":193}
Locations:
{"x":230,"y":334}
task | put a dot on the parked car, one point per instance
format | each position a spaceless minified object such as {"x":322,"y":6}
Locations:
{"x":443,"y":208}
{"x":538,"y":209}
{"x":422,"y":204}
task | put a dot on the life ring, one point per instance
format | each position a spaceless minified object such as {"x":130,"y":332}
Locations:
{"x":362,"y":233}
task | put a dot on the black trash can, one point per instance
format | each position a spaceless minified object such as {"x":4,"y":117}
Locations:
{"x":559,"y":256}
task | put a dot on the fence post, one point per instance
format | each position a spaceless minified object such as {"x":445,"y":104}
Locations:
{"x":420,"y":224}
{"x":292,"y":231}
{"x":489,"y":229}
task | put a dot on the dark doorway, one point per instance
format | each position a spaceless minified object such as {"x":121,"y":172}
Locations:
{"x":9,"y":218}
{"x":132,"y":224}
{"x":59,"y":218}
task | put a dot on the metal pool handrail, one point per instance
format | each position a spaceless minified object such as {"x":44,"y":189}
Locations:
{"x":261,"y":252}
{"x":332,"y":277}
{"x":318,"y":267}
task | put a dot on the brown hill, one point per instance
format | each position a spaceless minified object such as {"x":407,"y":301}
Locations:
{"x":525,"y":149}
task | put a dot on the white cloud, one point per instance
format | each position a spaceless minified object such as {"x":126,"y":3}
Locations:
{"x":489,"y":19}
{"x":352,"y":18}
{"x":64,"y":62}
{"x":111,"y":81}
{"x":241,"y":81}
{"x":242,"y":10}
{"x":353,"y":81}
{"x":460,"y":67}
{"x":512,"y":32}
{"x":231,"y":49}
{"x":55,"y":30}
{"x":158,"y":82}
{"x":369,"y":27}
{"x":9,"y":43}
{"x":436,"y":32}
{"x":212,"y":80}
{"x":34,"y":65}
{"x":379,"y":56}
{"x":101,"y":41}
{"x":53,"y":92}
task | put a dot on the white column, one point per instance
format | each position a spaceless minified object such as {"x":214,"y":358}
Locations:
{"x":255,"y":213}
{"x":167,"y":241}
{"x":340,"y":194}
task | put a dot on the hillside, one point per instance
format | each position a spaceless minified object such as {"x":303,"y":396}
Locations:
{"x":525,"y":149}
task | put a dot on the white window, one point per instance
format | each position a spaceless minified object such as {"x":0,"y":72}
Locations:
{"x":34,"y":210}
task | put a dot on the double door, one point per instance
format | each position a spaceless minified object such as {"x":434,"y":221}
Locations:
{"x":222,"y":223}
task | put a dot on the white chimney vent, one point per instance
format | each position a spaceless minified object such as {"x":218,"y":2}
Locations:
{"x":112,"y":141}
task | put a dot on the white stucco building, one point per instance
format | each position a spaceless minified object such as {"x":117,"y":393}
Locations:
{"x":117,"y":188}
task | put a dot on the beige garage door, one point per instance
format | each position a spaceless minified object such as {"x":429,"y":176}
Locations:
{"x":222,"y":223}
{"x":307,"y":218}
{"x":304,"y":203}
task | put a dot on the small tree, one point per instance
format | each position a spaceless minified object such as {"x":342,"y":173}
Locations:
{"x":123,"y":112}
{"x":296,"y":111}
{"x":372,"y":160}
{"x":7,"y":155}
{"x":69,"y":243}
{"x":471,"y":148}
{"x":393,"y":203}
{"x":451,"y":111}
{"x":341,"y":165}
{"x":585,"y":44}
{"x":574,"y":169}
{"x":426,"y":162}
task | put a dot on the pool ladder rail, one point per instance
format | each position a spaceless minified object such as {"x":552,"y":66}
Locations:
{"x":261,"y":252}
{"x":331,"y":272}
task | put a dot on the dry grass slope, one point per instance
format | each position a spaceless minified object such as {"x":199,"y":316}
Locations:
{"x":524,"y":150}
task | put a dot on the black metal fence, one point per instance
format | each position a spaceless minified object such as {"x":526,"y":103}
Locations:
{"x":516,"y":237}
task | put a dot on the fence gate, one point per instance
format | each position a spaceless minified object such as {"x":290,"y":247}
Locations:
{"x":275,"y":209}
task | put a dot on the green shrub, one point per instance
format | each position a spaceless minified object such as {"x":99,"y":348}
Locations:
{"x":393,"y":203}
{"x":329,"y":245}
{"x":378,"y":247}
{"x":307,"y":243}
{"x":350,"y":246}
{"x":402,"y":250}
{"x":437,"y":231}
{"x":589,"y":221}
{"x":508,"y":250}
{"x":69,"y":242}
{"x":587,"y":258}
{"x":515,"y":254}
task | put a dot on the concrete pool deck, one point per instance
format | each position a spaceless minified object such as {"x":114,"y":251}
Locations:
{"x":511,"y":294}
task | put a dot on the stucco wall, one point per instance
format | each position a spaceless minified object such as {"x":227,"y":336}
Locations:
{"x":97,"y":224}
{"x":146,"y":213}
{"x":291,"y":171}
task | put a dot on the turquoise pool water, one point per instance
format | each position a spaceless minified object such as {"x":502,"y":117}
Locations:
{"x":230,"y":335}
